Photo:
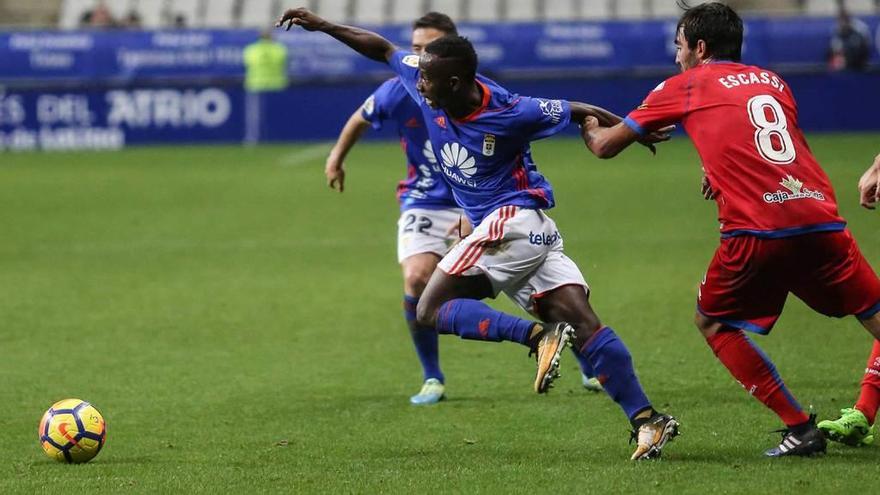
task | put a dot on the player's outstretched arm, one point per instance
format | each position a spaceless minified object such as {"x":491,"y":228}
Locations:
{"x":334,"y":169}
{"x":604,"y":141}
{"x":367,"y":43}
{"x":609,"y":136}
{"x":869,"y":186}
{"x":580,"y":111}
{"x":607,"y":142}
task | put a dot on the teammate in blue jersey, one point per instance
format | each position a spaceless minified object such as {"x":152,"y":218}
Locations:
{"x":430,"y":219}
{"x":480,"y":134}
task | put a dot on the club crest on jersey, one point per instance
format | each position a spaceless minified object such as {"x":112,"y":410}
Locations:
{"x":411,"y":60}
{"x":796,"y":190}
{"x":441,"y":121}
{"x":488,"y":145}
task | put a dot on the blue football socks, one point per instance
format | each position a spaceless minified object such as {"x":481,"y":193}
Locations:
{"x":472,"y":319}
{"x":424,"y":339}
{"x":613,"y":366}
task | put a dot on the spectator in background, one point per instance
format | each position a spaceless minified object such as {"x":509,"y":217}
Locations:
{"x":265,"y":63}
{"x":850,"y":43}
{"x":99,"y":17}
{"x":132,"y":20}
{"x":179,"y":22}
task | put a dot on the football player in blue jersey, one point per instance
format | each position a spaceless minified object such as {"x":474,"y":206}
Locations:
{"x":430,"y":219}
{"x":480,"y":134}
{"x":430,"y":222}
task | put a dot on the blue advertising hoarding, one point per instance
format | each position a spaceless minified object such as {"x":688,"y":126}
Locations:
{"x":100,"y":90}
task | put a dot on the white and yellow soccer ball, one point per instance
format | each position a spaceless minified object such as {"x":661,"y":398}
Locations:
{"x":72,"y":431}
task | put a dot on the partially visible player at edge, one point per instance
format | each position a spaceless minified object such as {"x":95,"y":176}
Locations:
{"x":780,"y":229}
{"x":855,"y":424}
{"x":480,"y":134}
{"x":429,"y":221}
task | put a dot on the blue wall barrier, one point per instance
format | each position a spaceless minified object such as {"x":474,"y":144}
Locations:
{"x":113,"y":118}
{"x":111,"y":89}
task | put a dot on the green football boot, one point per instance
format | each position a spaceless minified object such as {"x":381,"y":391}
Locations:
{"x":851,"y":428}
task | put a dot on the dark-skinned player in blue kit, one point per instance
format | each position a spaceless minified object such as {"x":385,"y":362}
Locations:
{"x":430,"y":220}
{"x":480,"y":134}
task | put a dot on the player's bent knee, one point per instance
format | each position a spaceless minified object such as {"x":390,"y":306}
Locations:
{"x":426,"y":313}
{"x":417,"y":270}
{"x":414,"y":281}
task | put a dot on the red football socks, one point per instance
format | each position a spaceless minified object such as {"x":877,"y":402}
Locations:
{"x":757,"y":374}
{"x":869,"y":399}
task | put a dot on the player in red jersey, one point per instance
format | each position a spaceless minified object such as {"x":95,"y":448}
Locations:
{"x":780,"y":229}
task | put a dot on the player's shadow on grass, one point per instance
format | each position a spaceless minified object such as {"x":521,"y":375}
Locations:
{"x":746,"y":456}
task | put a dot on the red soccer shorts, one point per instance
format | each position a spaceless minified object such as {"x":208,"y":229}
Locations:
{"x":749,"y":279}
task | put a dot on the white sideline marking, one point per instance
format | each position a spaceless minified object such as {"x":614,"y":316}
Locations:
{"x":305,"y":155}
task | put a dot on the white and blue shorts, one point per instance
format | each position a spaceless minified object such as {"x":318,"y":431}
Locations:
{"x":425,"y":231}
{"x":520,"y":251}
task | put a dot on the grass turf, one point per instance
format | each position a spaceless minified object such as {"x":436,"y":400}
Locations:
{"x":239,"y":326}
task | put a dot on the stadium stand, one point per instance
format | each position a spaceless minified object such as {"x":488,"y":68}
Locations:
{"x":150,"y":12}
{"x":260,"y":13}
{"x":222,"y":13}
{"x":827,"y":7}
{"x":67,"y":14}
{"x":520,"y":11}
{"x":404,"y":11}
{"x":485,"y":11}
{"x":631,"y":9}
{"x":335,"y":10}
{"x":452,"y":8}
{"x":369,"y":12}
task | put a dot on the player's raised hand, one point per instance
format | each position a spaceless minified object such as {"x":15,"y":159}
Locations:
{"x":869,"y":186}
{"x":334,"y":170}
{"x":301,"y":17}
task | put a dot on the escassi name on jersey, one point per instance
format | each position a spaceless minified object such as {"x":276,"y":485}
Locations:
{"x":746,"y":78}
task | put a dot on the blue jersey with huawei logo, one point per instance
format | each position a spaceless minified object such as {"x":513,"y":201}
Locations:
{"x":486,"y":157}
{"x":424,"y":186}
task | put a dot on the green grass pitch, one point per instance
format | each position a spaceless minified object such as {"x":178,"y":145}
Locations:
{"x":239,"y":325}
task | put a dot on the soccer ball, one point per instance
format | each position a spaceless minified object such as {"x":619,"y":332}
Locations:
{"x":72,"y":431}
